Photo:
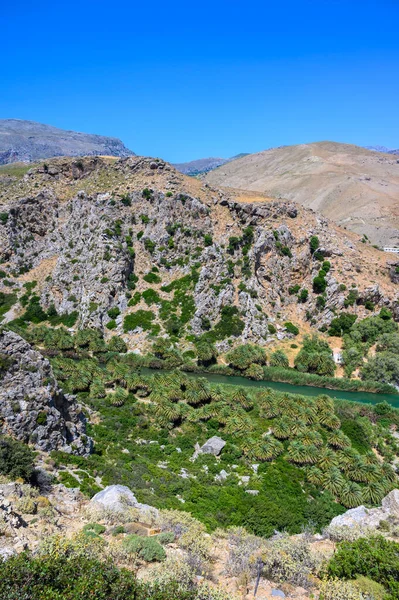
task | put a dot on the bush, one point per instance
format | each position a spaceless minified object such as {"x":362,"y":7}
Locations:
{"x":339,"y":590}
{"x":376,"y":558}
{"x":246,"y":355}
{"x":95,"y":528}
{"x":152,"y":278}
{"x":291,"y":328}
{"x":166,"y":537}
{"x":141,"y":318}
{"x":314,"y":243}
{"x":16,"y":459}
{"x":113,"y":312}
{"x":56,"y":578}
{"x":146,"y":548}
{"x":342,"y":324}
{"x":315,"y":356}
{"x":319,"y":284}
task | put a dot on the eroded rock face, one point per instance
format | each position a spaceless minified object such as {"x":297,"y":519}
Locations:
{"x":33,"y":408}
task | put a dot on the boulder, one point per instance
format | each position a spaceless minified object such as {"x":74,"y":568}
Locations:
{"x":119,"y":497}
{"x":369,"y":517}
{"x":213,"y":446}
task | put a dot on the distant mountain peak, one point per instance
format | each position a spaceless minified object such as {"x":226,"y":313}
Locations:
{"x":28,"y":141}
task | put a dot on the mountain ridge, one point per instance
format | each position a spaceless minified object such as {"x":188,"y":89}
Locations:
{"x":29,"y":141}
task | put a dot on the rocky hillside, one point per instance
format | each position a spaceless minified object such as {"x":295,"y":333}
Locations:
{"x":136,"y":248}
{"x":355,"y":187}
{"x":33,"y":408}
{"x":27,"y":141}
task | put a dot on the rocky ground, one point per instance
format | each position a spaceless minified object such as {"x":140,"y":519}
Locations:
{"x":29,"y":517}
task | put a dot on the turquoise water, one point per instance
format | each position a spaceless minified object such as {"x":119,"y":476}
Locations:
{"x":304,"y":390}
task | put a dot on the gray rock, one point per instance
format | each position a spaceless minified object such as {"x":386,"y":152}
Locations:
{"x":369,"y":517}
{"x":29,"y":389}
{"x":119,"y":497}
{"x":213,"y":446}
{"x":278,"y":593}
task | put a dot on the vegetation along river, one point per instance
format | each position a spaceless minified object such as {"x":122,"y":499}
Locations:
{"x":304,"y":390}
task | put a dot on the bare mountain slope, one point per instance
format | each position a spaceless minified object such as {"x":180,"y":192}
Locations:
{"x":27,"y":141}
{"x":354,"y":186}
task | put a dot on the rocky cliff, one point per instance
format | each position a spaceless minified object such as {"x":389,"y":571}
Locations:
{"x":32,"y":407}
{"x":27,"y":141}
{"x":134,"y":247}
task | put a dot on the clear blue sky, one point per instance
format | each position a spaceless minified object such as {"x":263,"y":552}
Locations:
{"x":183,"y":80}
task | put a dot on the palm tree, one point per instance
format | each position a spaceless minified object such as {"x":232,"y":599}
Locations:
{"x":238,"y":424}
{"x":269,"y":409}
{"x":370,"y":458}
{"x":301,"y":454}
{"x":291,"y":410}
{"x":373,"y":492}
{"x":333,"y":481}
{"x":329,"y":420}
{"x":324,"y":404}
{"x":337,"y":439}
{"x":167,"y":411}
{"x":327,"y":459}
{"x":118,"y":398}
{"x":311,"y":438}
{"x":282,"y":428}
{"x":97,"y":389}
{"x":347,"y":458}
{"x":351,"y":494}
{"x":241,"y":396}
{"x":309,"y":415}
{"x":298,"y":427}
{"x":388,"y":473}
{"x":314,"y":476}
{"x":266,"y":449}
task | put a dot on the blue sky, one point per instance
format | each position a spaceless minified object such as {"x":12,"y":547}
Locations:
{"x":187,"y":80}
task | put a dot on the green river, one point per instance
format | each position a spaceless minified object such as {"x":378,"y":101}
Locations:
{"x":304,"y":390}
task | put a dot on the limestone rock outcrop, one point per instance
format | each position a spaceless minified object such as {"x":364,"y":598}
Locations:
{"x":33,"y":408}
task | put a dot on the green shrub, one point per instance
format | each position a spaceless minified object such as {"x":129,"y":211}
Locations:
{"x":342,"y":324}
{"x":113,"y":312}
{"x":319,"y":284}
{"x":208,"y":241}
{"x":291,"y":328}
{"x":97,"y":528}
{"x":314,"y":243}
{"x":166,"y":537}
{"x":3,"y":218}
{"x":149,"y":245}
{"x":16,"y":459}
{"x":245,"y":355}
{"x":66,"y":578}
{"x":376,"y":558}
{"x":140,"y":318}
{"x":152,"y":278}
{"x":147,"y":548}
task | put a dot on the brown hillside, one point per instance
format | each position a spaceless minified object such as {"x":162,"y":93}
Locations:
{"x":357,"y":188}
